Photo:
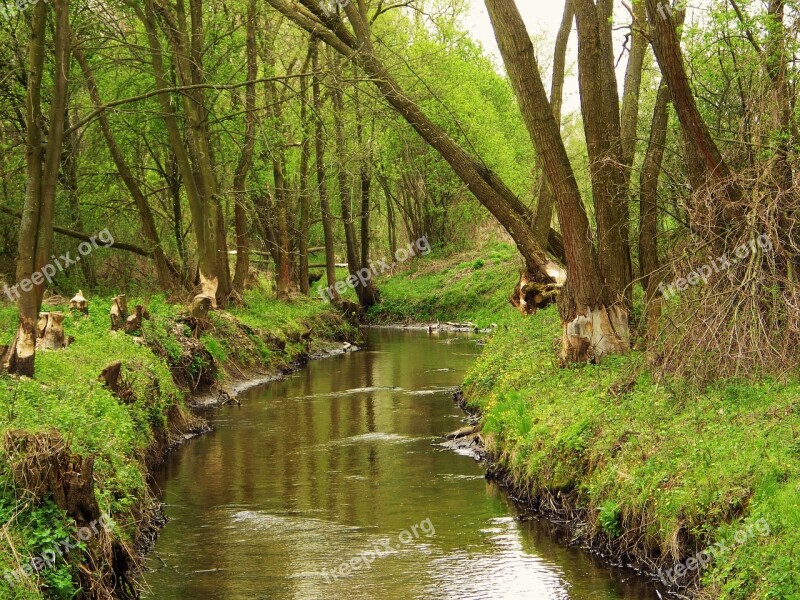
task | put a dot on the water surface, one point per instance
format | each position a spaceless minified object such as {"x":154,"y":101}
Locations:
{"x":336,"y":465}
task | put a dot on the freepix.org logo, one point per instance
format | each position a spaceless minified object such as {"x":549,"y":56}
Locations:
{"x":60,"y":264}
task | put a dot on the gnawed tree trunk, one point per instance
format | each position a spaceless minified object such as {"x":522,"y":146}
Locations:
{"x":119,"y":312}
{"x":42,"y":165}
{"x":134,"y":321}
{"x":51,"y":331}
{"x":79,"y":303}
{"x":593,"y":324}
{"x":112,"y":378}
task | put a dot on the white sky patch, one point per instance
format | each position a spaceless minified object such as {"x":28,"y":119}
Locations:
{"x":543,"y":18}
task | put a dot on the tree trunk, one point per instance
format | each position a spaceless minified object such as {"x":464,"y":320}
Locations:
{"x":633,"y":85}
{"x":246,"y":157}
{"x":648,"y":210}
{"x":480,"y":180}
{"x":593,"y":326}
{"x":69,"y":182}
{"x":322,"y":184}
{"x":36,"y":227}
{"x":601,"y":122}
{"x":667,"y":48}
{"x":305,"y":192}
{"x":204,"y":219}
{"x":544,"y":207}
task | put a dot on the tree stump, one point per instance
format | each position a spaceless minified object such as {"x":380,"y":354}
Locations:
{"x":79,"y":303}
{"x":200,"y":306}
{"x":119,"y":312}
{"x":111,"y":376}
{"x":51,"y":331}
{"x":42,"y":465}
{"x":134,"y":321}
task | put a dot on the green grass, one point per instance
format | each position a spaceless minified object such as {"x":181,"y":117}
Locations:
{"x":473,"y":287}
{"x":670,"y":467}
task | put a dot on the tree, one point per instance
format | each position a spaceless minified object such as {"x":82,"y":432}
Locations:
{"x":42,"y":166}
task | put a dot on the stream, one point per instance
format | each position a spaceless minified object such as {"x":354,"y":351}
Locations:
{"x":330,"y":484}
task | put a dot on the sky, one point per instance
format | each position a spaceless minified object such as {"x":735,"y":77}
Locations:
{"x":542,"y":17}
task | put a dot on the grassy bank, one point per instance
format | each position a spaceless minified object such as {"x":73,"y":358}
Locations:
{"x":66,"y":405}
{"x":472,"y":286}
{"x":656,"y":470}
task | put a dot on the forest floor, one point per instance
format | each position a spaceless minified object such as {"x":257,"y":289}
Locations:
{"x":701,"y":484}
{"x":67,"y":414}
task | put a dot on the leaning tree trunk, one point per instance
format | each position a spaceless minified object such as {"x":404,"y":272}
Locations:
{"x":593,"y":326}
{"x":544,"y":206}
{"x":42,"y":165}
{"x":246,"y":157}
{"x":167,"y":275}
{"x":204,"y":219}
{"x":667,"y":48}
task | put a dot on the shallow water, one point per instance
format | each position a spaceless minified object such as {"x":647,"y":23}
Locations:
{"x":338,"y":464}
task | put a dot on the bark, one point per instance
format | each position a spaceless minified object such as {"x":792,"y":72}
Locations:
{"x":544,"y":207}
{"x":69,"y":183}
{"x":365,"y":292}
{"x":592,"y":326}
{"x":204,"y":219}
{"x":305,"y":192}
{"x":781,"y":105}
{"x":322,"y":183}
{"x":648,"y":210}
{"x":601,"y":122}
{"x":633,"y":85}
{"x":42,"y":165}
{"x":246,"y":157}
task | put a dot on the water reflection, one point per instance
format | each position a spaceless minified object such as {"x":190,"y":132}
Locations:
{"x":315,"y":470}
